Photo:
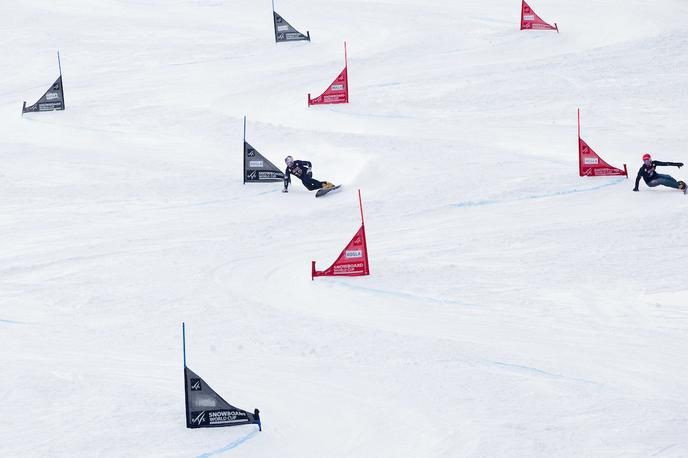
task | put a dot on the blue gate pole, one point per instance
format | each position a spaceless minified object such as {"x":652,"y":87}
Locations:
{"x":184,"y":342}
{"x":243,"y":152}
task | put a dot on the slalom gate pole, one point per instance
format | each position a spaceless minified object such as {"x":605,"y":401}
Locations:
{"x":243,"y":152}
{"x":184,"y":342}
{"x":274,"y":24}
{"x":580,"y":160}
{"x":346,"y":67}
{"x":365,"y":240}
{"x":59,"y":65}
{"x":360,"y":205}
{"x":186,"y":390}
{"x":346,"y":60}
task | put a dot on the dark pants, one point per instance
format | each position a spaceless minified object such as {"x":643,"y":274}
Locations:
{"x":310,"y":183}
{"x":663,"y":180}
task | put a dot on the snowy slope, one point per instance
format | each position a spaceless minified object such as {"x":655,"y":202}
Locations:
{"x":514,"y":309}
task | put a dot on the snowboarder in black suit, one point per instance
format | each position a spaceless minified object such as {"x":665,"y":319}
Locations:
{"x":652,"y":178}
{"x":302,"y":170}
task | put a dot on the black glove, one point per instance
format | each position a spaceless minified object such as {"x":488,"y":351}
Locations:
{"x":636,"y":189}
{"x":679,"y":165}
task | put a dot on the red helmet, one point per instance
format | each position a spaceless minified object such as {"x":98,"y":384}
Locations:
{"x":646,"y":157}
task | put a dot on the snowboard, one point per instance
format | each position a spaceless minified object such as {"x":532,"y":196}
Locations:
{"x":322,"y":192}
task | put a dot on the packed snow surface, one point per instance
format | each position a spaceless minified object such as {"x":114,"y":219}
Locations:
{"x":513,"y":308}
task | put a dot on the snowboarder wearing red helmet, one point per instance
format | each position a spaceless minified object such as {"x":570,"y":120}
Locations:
{"x":652,"y":178}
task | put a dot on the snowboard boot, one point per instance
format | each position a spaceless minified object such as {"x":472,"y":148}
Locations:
{"x":327,"y":185}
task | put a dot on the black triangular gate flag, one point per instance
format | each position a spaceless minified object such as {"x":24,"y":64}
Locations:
{"x":206,"y":409}
{"x":285,"y":32}
{"x":53,"y":99}
{"x":257,"y":169}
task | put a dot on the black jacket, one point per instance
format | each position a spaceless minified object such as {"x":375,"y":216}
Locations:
{"x":299,"y":169}
{"x":647,"y":172}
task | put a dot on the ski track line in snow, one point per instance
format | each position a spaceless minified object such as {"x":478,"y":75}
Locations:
{"x":75,"y":127}
{"x":401,"y":295}
{"x":536,"y":371}
{"x":368,"y":114}
{"x":668,"y":447}
{"x":21,"y":269}
{"x":205,"y":203}
{"x":482,"y":203}
{"x":230,"y":446}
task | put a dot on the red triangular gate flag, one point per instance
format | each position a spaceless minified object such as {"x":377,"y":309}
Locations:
{"x":338,"y":91}
{"x":353,"y":261}
{"x":531,"y":21}
{"x":590,"y":164}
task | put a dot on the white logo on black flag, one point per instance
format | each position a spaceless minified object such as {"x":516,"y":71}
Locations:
{"x":257,"y":169}
{"x":285,"y":32}
{"x":53,"y":99}
{"x":205,"y":408}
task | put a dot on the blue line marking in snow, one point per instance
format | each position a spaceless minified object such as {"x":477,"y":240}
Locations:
{"x":536,"y":371}
{"x":481,"y":203}
{"x":230,"y":446}
{"x":10,"y":322}
{"x":532,"y":370}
